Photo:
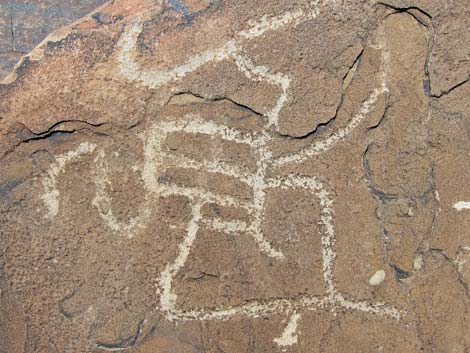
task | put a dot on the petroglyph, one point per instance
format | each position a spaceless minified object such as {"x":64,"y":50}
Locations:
{"x":331,"y":301}
{"x":231,"y":50}
{"x":324,"y":145}
{"x":51,"y":193}
{"x":193,"y":125}
{"x":103,"y":203}
{"x":258,"y":181}
{"x":289,"y":335}
{"x":156,"y":160}
{"x":237,"y":176}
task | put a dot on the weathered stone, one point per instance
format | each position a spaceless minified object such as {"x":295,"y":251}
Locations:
{"x":6,"y":34}
{"x":211,"y":176}
{"x":25,"y":23}
{"x":12,"y":324}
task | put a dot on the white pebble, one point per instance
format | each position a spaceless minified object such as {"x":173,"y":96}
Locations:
{"x":377,"y":278}
{"x":418,"y":262}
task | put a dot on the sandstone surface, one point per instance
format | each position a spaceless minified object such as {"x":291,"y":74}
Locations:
{"x":239,"y":176}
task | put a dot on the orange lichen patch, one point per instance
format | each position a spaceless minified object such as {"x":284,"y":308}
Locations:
{"x":127,"y":8}
{"x":120,"y":8}
{"x":197,"y":5}
{"x":88,"y":24}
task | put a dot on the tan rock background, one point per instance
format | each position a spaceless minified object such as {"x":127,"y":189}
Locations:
{"x":246,"y":176}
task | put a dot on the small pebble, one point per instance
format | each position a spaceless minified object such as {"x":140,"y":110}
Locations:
{"x":418,"y":262}
{"x":377,"y":278}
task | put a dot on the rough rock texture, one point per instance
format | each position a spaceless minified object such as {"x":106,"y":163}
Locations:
{"x":239,"y":176}
{"x":25,"y":23}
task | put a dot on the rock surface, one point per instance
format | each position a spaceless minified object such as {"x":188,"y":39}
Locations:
{"x":25,"y":23}
{"x":246,"y":176}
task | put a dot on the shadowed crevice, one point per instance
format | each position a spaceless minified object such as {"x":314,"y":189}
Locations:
{"x":322,"y":127}
{"x":125,"y":343}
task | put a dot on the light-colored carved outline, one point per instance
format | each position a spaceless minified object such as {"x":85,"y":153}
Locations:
{"x":103,"y":203}
{"x":231,"y":50}
{"x":155,"y":158}
{"x":51,"y":193}
{"x":289,"y":335}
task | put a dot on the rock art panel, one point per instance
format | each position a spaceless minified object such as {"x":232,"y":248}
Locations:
{"x":187,"y":176}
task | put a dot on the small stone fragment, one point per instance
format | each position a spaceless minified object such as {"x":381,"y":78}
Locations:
{"x":377,"y":278}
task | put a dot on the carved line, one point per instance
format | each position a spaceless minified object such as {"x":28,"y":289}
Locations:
{"x":154,"y":155}
{"x":231,"y":50}
{"x":103,"y":203}
{"x":289,"y":335}
{"x":51,"y":194}
{"x":332,"y":301}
